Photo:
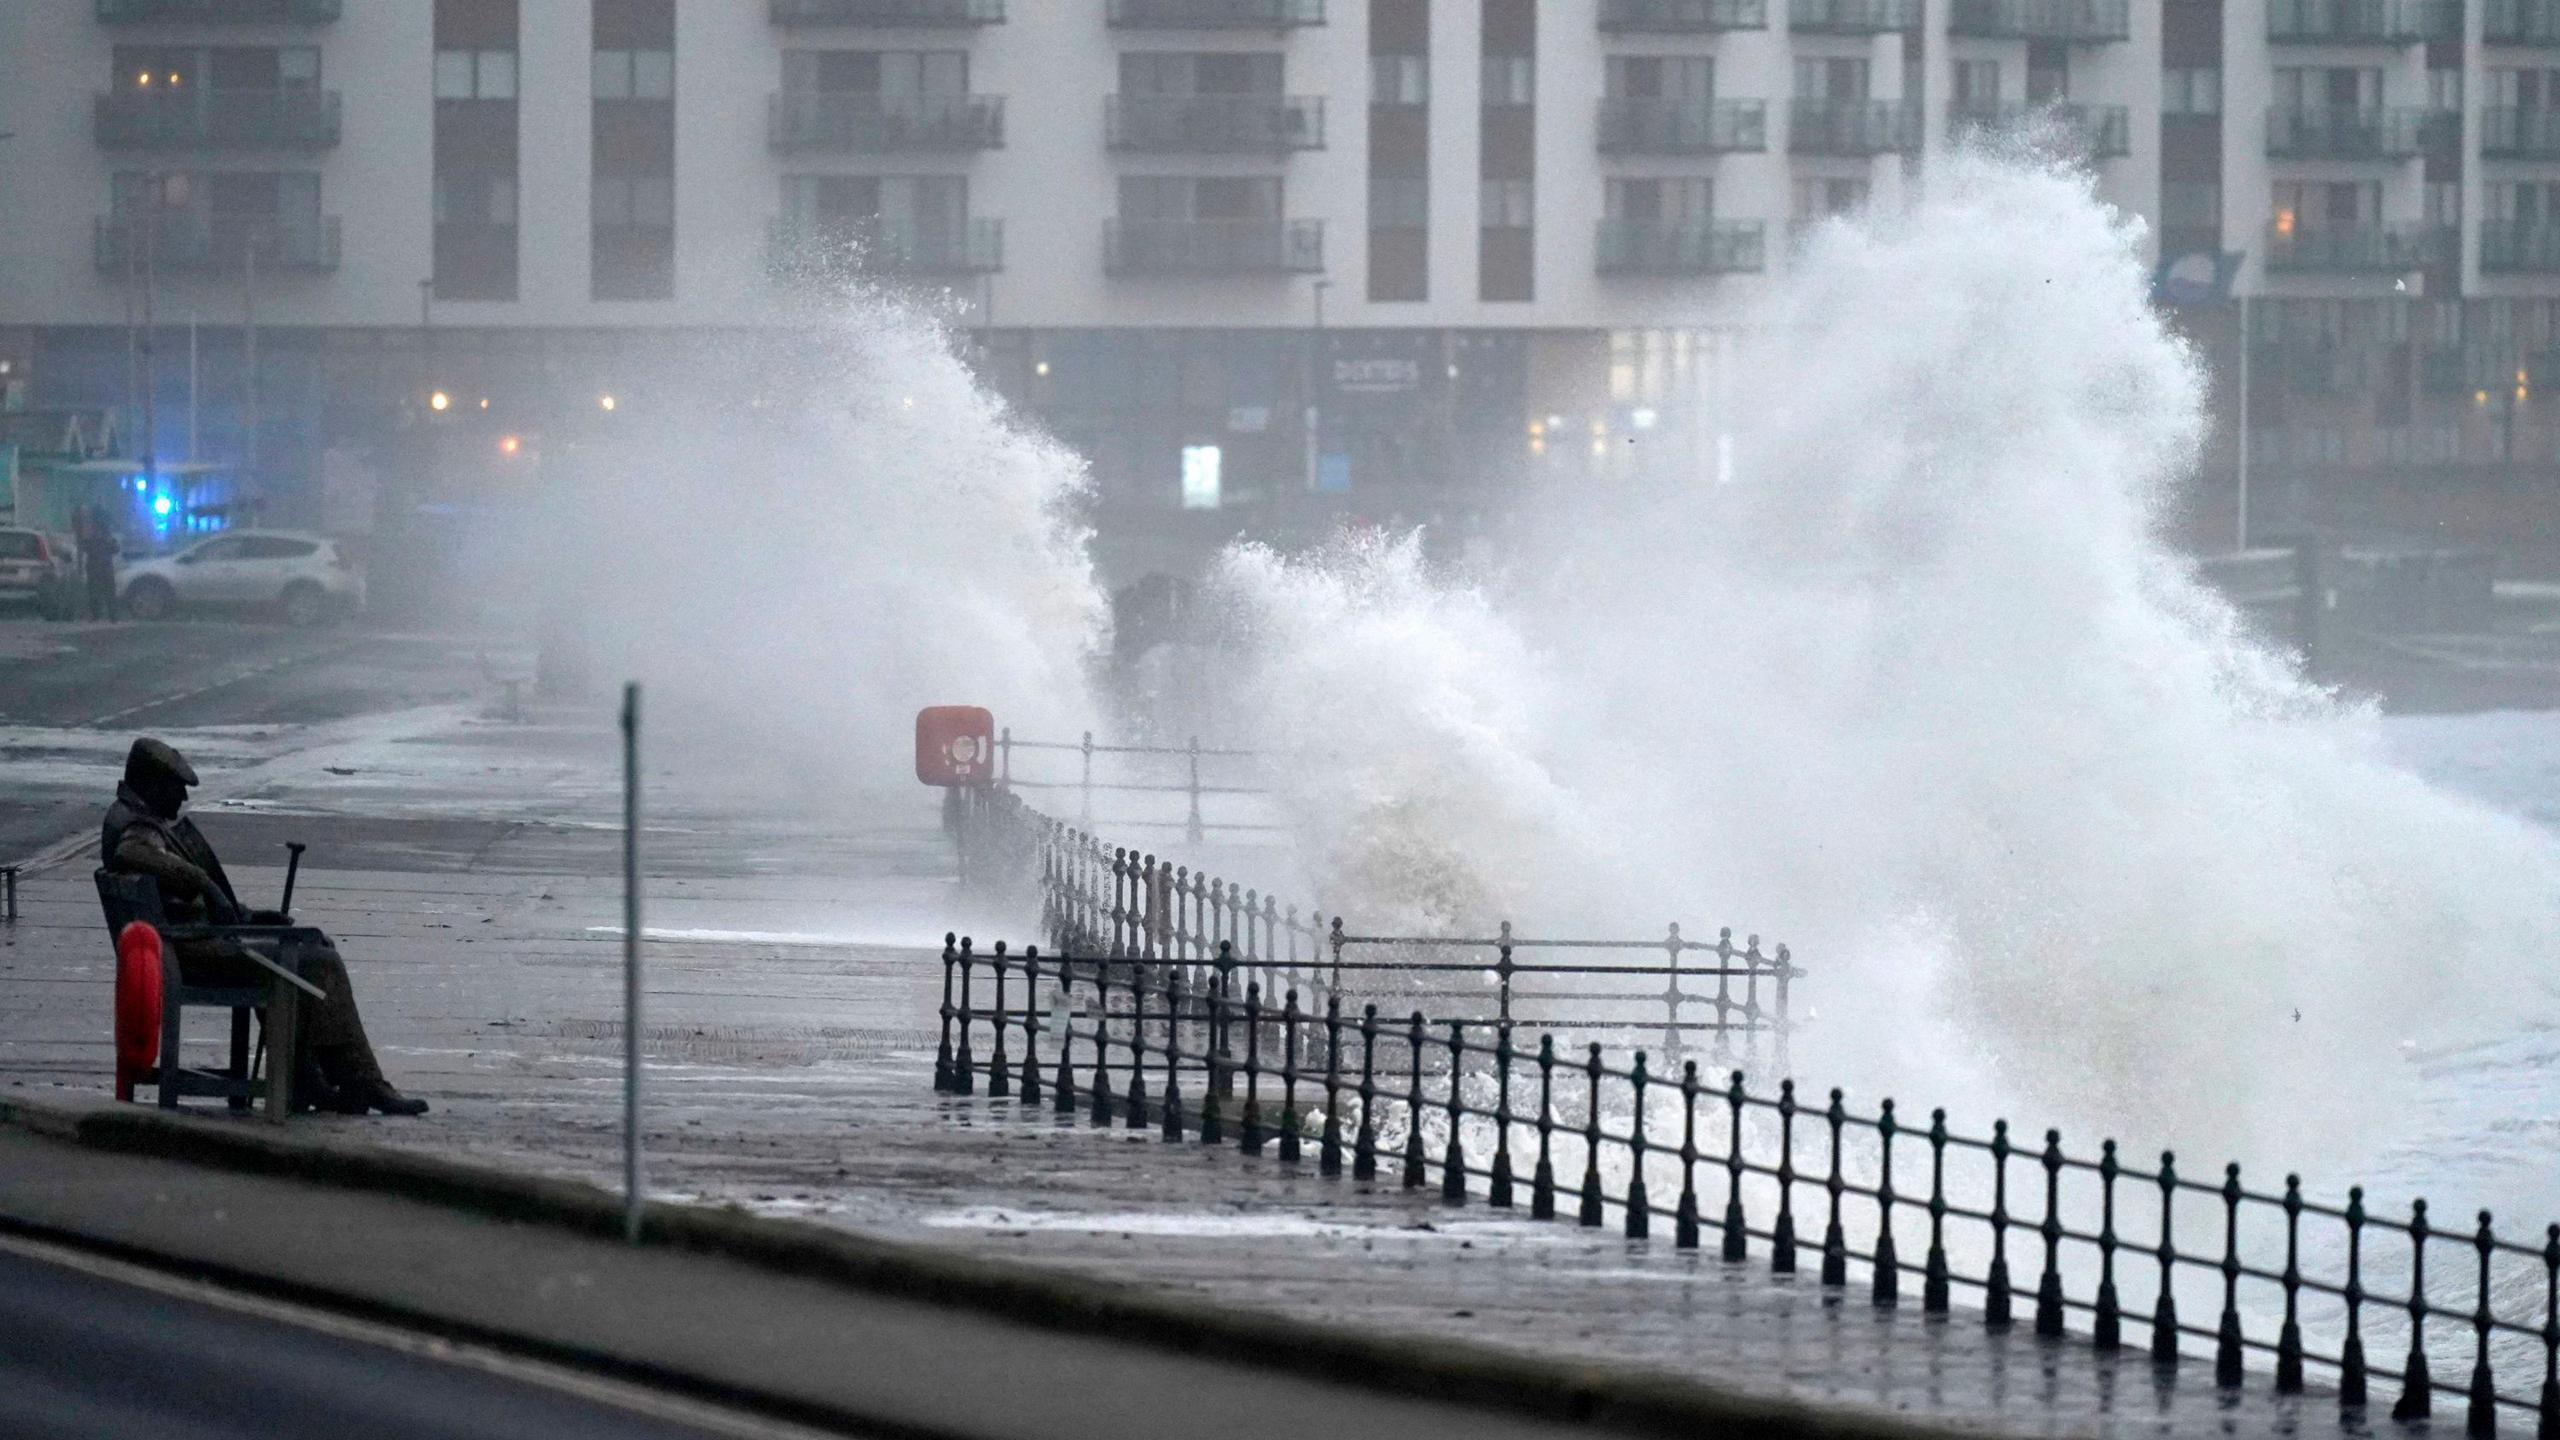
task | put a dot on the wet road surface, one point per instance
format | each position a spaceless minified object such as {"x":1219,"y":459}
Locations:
{"x":85,"y":1354}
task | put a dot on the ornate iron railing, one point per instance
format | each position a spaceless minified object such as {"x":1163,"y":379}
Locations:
{"x":1205,"y":1048}
{"x":1099,"y":899}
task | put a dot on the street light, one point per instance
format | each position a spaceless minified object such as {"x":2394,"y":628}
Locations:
{"x":439,"y":402}
{"x":606,"y":403}
{"x":1315,"y":410}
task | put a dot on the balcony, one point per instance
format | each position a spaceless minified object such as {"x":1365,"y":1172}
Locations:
{"x":2343,"y":132}
{"x":1852,"y":17}
{"x":2511,"y":247}
{"x":2098,"y":132}
{"x":915,"y":14}
{"x":832,"y":249}
{"x":1682,"y":17}
{"x":2507,"y":133}
{"x":1681,"y":247}
{"x":844,"y":122}
{"x":2522,"y":22}
{"x":203,"y":119}
{"x":2069,"y":21}
{"x":2359,"y":249}
{"x":2362,"y":22}
{"x":1214,"y":14}
{"x":1213,"y":247}
{"x":246,"y":12}
{"x":1631,"y":126}
{"x":186,"y":243}
{"x":1853,"y":127}
{"x":1214,"y":124}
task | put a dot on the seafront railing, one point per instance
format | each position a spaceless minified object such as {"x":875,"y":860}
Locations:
{"x":1101,"y":899}
{"x":1225,"y":1048}
{"x":1164,"y":989}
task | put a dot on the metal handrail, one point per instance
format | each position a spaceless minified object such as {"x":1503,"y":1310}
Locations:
{"x":1424,"y":1110}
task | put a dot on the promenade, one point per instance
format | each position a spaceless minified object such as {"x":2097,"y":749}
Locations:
{"x":467,"y":867}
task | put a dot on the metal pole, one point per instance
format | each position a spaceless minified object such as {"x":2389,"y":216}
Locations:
{"x":150,"y":381}
{"x":191,"y":389}
{"x":2241,"y":525}
{"x":631,"y":1180}
{"x":249,"y":360}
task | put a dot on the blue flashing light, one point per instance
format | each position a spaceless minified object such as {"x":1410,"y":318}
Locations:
{"x":161,"y":506}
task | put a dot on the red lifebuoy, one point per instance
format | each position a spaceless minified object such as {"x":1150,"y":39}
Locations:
{"x":137,"y":1005}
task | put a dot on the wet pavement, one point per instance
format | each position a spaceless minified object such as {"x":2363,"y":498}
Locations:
{"x":465,"y":864}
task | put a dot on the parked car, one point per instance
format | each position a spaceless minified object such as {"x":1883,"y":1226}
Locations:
{"x":304,"y":578}
{"x":36,"y":570}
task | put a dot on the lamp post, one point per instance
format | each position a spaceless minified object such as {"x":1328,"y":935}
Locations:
{"x":1315,"y":410}
{"x":152,"y":198}
{"x":2240,"y":525}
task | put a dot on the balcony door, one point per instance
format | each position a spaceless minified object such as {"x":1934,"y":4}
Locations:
{"x":1683,"y":202}
{"x":1832,"y":78}
{"x":1201,"y":197}
{"x":1661,"y":77}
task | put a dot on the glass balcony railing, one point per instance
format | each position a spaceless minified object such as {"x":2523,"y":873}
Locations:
{"x":2363,"y":22}
{"x":2522,"y":22}
{"x":202,"y":12}
{"x":1853,"y":127}
{"x":1214,"y":124}
{"x":2344,"y":132}
{"x":2512,"y":133}
{"x":847,"y":122}
{"x":2099,"y":132}
{"x":2519,"y":246}
{"x":2359,"y":249}
{"x":1632,"y":126}
{"x":1213,"y":247}
{"x":922,"y":14}
{"x":1681,"y":247}
{"x":1214,"y":14}
{"x":1852,"y":17}
{"x":2069,"y":21}
{"x":206,"y":118}
{"x":834,"y":248}
{"x":1682,"y":17}
{"x":217,"y":244}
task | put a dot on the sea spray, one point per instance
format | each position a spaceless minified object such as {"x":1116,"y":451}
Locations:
{"x":834,"y":526}
{"x":1926,"y":693}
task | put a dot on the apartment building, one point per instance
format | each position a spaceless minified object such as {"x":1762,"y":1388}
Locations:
{"x":1380,"y":255}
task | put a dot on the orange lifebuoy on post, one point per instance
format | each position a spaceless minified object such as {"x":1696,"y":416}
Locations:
{"x":138,"y":998}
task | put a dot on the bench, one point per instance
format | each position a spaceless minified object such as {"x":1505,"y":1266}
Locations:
{"x":127,"y":899}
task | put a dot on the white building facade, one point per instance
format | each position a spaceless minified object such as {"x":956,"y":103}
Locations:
{"x":1391,"y":252}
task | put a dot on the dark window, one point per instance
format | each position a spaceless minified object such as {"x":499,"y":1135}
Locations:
{"x":1506,"y":238}
{"x":632,"y":155}
{"x":274,"y":547}
{"x":1399,"y":150}
{"x":474,"y":185}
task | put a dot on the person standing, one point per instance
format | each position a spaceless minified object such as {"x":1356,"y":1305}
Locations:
{"x":98,"y":551}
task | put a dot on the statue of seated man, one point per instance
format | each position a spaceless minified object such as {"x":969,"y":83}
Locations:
{"x":145,"y":834}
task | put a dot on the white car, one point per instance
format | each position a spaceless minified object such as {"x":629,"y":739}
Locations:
{"x":305,"y":578}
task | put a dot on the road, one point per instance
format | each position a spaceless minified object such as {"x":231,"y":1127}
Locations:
{"x":106,"y":1350}
{"x":72,"y":696}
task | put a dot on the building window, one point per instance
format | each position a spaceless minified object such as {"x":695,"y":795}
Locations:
{"x":2190,"y":204}
{"x":1507,"y":204}
{"x":1399,"y":79}
{"x":1399,"y":202}
{"x":635,"y":75}
{"x":1510,"y":80}
{"x":1822,"y":196}
{"x":475,"y":74}
{"x":2191,"y":91}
